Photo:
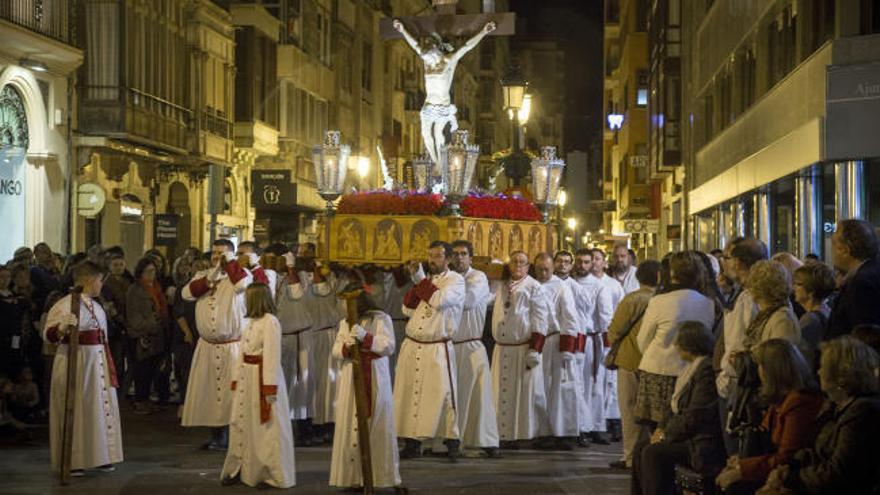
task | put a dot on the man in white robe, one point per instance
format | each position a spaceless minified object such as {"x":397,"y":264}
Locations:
{"x":477,"y":421}
{"x":248,"y":255}
{"x":424,"y":384}
{"x":296,"y":326}
{"x":220,"y":311}
{"x":585,"y":303}
{"x":519,"y":324}
{"x":593,"y":425}
{"x":97,"y":437}
{"x":610,"y":295}
{"x":557,"y":355}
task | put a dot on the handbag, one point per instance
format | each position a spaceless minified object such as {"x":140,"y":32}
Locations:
{"x":611,"y":356}
{"x":689,"y":481}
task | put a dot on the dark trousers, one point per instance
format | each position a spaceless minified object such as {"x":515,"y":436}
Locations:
{"x":654,"y":468}
{"x":146,"y":373}
{"x":183,"y":354}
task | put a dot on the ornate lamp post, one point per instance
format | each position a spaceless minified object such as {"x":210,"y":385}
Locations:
{"x":331,"y":164}
{"x":459,"y":160}
{"x":514,"y":85}
{"x":546,"y":174}
{"x":423,"y":168}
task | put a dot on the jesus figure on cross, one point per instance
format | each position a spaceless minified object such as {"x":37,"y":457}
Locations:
{"x":440,"y":60}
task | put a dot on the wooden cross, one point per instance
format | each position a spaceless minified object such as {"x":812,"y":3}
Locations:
{"x":447,"y":23}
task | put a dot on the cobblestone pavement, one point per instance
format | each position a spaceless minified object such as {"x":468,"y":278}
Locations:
{"x":162,"y":458}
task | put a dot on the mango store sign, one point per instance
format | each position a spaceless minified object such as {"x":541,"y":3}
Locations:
{"x":12,"y":201}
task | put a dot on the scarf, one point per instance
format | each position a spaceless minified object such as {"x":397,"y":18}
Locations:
{"x":154,"y":289}
{"x":683,"y":379}
{"x":756,"y":328}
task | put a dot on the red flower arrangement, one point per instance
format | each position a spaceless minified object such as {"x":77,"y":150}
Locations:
{"x":500,"y":207}
{"x":412,"y":203}
{"x":389,"y":203}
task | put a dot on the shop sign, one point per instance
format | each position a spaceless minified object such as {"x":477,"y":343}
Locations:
{"x":130,"y":206}
{"x":90,"y":199}
{"x":165,"y":229}
{"x":852,"y":111}
{"x":272,"y":189}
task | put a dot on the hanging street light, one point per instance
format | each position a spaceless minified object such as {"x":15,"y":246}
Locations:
{"x":331,"y":164}
{"x":458,"y":163}
{"x":518,"y":105}
{"x":546,"y":174}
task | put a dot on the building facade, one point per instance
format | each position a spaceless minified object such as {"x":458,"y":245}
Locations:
{"x":38,"y":61}
{"x":784,"y":106}
{"x":631,"y":199}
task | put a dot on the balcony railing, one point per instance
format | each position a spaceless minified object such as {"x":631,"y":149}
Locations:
{"x":52,"y":18}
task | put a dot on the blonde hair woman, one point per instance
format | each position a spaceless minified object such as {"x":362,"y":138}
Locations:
{"x":770,"y":286}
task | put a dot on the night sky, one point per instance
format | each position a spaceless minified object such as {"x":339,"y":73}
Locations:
{"x":577,"y":24}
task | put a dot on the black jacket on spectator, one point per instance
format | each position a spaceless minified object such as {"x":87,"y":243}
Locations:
{"x":844,"y":458}
{"x":698,"y":422}
{"x":858,"y":302}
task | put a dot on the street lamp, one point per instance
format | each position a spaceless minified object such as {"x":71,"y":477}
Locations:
{"x":514,"y":85}
{"x":331,"y":164}
{"x":572,"y":223}
{"x":458,"y":162}
{"x":362,"y":166}
{"x":546,"y":174}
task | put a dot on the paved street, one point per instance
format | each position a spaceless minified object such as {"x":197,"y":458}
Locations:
{"x":161,"y":457}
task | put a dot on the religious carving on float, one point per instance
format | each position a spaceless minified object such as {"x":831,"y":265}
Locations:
{"x":350,"y":239}
{"x":422,"y":234}
{"x":496,"y":242}
{"x":475,"y":237}
{"x":516,"y":239}
{"x":387,"y":245}
{"x":535,"y":241}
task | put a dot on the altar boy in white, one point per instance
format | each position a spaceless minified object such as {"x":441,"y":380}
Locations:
{"x":97,"y":439}
{"x":261,"y":438}
{"x":374,"y":333}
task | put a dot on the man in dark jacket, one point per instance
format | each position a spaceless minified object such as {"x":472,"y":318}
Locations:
{"x":854,"y":250}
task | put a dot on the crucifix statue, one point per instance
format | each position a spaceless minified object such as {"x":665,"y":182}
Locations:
{"x":441,"y":58}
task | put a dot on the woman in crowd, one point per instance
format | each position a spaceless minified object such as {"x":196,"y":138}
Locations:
{"x":770,"y":286}
{"x":261,"y":438}
{"x":374,"y":333}
{"x":147,"y":320}
{"x":691,"y":435}
{"x":843,"y":458}
{"x":813,"y":284}
{"x":183,"y":325}
{"x":787,"y":385}
{"x":661,"y":364}
{"x":14,"y":315}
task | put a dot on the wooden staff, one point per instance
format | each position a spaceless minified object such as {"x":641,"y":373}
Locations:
{"x":360,"y":393}
{"x":70,"y":389}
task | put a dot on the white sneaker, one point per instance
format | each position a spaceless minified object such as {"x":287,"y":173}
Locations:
{"x":107,"y":468}
{"x":77,"y":473}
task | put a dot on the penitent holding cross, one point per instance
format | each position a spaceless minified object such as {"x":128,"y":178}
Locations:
{"x":440,"y":60}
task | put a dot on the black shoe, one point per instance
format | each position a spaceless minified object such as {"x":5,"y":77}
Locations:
{"x":232,"y":480}
{"x":583,"y":440}
{"x":412,"y":449}
{"x":454,"y":449}
{"x":509,"y":445}
{"x":565,"y":443}
{"x":493,"y":453}
{"x":618,"y":465}
{"x":599,"y":438}
{"x":615,"y":430}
